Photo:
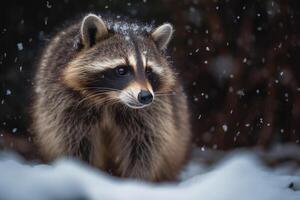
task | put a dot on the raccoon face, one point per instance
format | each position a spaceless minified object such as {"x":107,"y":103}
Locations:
{"x":120,"y":64}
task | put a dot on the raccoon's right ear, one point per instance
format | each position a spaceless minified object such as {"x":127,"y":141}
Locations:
{"x":162,"y":35}
{"x":92,"y":30}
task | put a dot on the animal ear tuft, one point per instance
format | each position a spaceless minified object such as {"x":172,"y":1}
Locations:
{"x":162,"y":35}
{"x":92,"y":30}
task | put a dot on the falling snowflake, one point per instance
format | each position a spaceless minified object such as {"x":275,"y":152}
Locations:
{"x":225,"y":127}
{"x":8,"y":92}
{"x":240,"y":93}
{"x":48,"y":4}
{"x":20,"y":46}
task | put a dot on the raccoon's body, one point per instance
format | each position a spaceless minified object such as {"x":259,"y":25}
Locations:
{"x":105,"y":93}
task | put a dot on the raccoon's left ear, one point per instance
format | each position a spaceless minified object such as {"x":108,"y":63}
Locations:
{"x":162,"y":35}
{"x":92,"y":30}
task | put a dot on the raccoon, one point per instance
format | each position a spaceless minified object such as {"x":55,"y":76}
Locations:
{"x":105,"y":92}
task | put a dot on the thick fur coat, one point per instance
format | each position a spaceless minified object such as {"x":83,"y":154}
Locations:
{"x":81,"y":108}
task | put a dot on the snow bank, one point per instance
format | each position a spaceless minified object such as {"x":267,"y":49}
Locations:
{"x":240,"y":176}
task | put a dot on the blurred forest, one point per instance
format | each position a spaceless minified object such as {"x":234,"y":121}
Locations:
{"x":239,"y":61}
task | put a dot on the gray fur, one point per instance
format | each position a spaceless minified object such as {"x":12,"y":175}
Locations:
{"x":149,"y":143}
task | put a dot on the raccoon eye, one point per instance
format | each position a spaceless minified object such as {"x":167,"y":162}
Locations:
{"x":122,"y":70}
{"x":148,"y":71}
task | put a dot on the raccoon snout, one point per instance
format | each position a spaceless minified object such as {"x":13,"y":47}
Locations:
{"x":145,"y":97}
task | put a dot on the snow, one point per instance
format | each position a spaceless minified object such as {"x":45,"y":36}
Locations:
{"x":222,"y":67}
{"x":20,"y":46}
{"x":240,"y":93}
{"x":125,"y":28}
{"x":48,"y":5}
{"x":8,"y":92}
{"x":239,"y":175}
{"x":225,"y":127}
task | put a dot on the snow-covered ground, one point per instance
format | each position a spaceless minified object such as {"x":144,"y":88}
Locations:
{"x":239,"y":175}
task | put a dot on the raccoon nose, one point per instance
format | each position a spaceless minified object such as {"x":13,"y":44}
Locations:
{"x":145,"y":97}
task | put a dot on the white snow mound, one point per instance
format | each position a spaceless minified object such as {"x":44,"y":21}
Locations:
{"x":238,"y":177}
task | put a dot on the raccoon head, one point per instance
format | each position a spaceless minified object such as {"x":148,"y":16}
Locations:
{"x":120,"y":62}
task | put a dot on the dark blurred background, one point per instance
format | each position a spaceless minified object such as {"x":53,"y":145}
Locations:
{"x":239,"y":61}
